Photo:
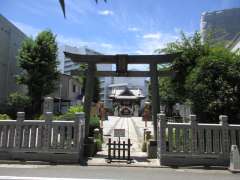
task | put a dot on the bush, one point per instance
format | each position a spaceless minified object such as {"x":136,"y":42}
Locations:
{"x":4,"y":117}
{"x":98,"y":143}
{"x":18,"y":101}
{"x":69,"y":115}
{"x":94,"y":123}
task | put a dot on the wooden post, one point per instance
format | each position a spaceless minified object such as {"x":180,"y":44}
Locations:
{"x":89,"y":95}
{"x":155,"y":97}
{"x":124,"y":149}
{"x":225,"y":139}
{"x":119,"y":149}
{"x":109,"y":150}
{"x":114,"y":149}
{"x":129,"y":151}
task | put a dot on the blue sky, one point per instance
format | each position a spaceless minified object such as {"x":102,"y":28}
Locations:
{"x":119,"y":26}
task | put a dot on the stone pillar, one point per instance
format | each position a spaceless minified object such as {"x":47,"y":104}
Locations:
{"x":20,"y":119}
{"x":48,"y":130}
{"x":79,"y":131}
{"x":234,"y":159}
{"x":225,"y":138}
{"x":162,"y":130}
{"x":89,"y":95}
{"x":194,"y":133}
{"x":48,"y":105}
{"x":155,"y":97}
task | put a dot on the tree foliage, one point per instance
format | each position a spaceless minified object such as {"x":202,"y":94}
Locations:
{"x":38,"y":59}
{"x":206,"y":76}
{"x":167,"y":94}
{"x":82,"y":80}
{"x":18,"y":101}
{"x":191,"y":48}
{"x":62,"y":4}
{"x":214,"y":85}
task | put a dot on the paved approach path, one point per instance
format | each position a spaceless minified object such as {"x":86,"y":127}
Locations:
{"x":134,"y":128}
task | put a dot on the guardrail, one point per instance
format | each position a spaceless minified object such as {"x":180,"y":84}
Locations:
{"x":196,"y":143}
{"x":42,"y":140}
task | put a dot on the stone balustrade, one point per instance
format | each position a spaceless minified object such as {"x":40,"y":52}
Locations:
{"x":196,"y":143}
{"x":42,"y":140}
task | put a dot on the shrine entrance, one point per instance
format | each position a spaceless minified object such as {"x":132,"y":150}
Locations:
{"x":122,"y":62}
{"x":127,"y":102}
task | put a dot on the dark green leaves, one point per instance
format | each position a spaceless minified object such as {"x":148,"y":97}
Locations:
{"x":62,"y":4}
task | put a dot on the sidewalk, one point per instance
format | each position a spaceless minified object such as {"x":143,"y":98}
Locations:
{"x":139,"y":160}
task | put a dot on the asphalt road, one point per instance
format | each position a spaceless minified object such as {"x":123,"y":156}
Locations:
{"x":67,"y":172}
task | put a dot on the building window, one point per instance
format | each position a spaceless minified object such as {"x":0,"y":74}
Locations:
{"x":74,"y":88}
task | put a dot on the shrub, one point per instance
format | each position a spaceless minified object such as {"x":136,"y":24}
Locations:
{"x":18,"y":101}
{"x":69,"y":115}
{"x":98,"y":143}
{"x":4,"y":117}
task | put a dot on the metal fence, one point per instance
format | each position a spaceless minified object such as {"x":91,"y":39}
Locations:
{"x":196,"y":143}
{"x":42,"y":140}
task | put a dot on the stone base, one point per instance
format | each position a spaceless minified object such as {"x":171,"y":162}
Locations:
{"x":152,"y":149}
{"x":89,"y":147}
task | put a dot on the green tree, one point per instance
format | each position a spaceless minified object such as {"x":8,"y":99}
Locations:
{"x":82,"y":80}
{"x":18,"y":101}
{"x":214,"y":85}
{"x":38,"y":59}
{"x":191,"y":48}
{"x":167,"y":94}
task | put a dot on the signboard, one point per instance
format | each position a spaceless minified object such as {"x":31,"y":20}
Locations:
{"x":119,"y":132}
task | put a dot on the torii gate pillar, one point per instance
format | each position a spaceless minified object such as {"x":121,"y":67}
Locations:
{"x":155,"y":97}
{"x":89,"y":95}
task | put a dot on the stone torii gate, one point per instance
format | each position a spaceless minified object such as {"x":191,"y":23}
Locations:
{"x":122,"y":62}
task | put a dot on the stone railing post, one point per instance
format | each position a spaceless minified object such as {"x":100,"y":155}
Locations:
{"x":47,"y":129}
{"x":20,"y":120}
{"x":48,"y":105}
{"x":225,"y":138}
{"x":79,"y":135}
{"x":162,"y":133}
{"x":193,"y":122}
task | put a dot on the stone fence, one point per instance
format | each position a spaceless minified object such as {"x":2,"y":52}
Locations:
{"x":42,"y":140}
{"x":196,"y":143}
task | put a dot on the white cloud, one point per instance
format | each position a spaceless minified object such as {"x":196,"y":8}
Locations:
{"x":152,"y":36}
{"x":152,"y":41}
{"x":106,"y":45}
{"x":27,"y":29}
{"x":133,"y":29}
{"x":105,"y":13}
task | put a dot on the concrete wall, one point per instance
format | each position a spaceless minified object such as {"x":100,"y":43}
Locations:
{"x":10,"y":41}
